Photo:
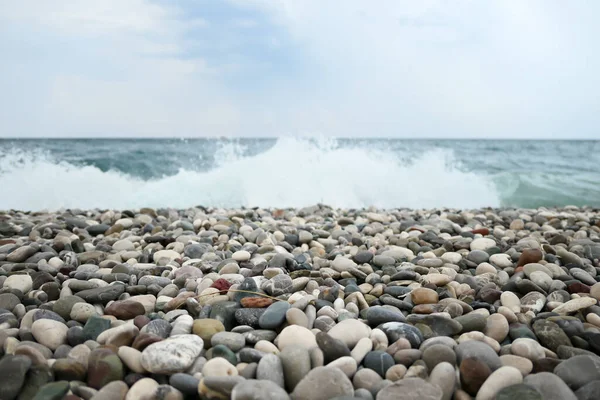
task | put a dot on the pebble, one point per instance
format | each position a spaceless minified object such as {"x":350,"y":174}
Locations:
{"x":410,"y":388}
{"x":172,"y":355}
{"x":323,"y":383}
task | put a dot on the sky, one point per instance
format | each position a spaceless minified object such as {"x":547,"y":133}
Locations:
{"x":237,"y":68}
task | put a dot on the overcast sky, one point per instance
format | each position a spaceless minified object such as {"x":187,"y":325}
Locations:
{"x":415,"y":68}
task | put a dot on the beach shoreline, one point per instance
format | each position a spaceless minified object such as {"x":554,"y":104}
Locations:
{"x":300,"y":303}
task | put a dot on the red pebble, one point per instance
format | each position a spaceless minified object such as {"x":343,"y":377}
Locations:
{"x":221,"y":284}
{"x":256,"y":302}
{"x":578,"y":287}
{"x":483,"y":231}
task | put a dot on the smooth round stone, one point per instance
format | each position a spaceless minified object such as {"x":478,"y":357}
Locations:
{"x":206,"y":328}
{"x":527,"y":348}
{"x":496,"y":327}
{"x":550,"y":386}
{"x":501,"y":260}
{"x":501,"y":378}
{"x":395,"y":373}
{"x":550,"y":335}
{"x":296,"y":363}
{"x":13,"y":370}
{"x":186,"y":384}
{"x":241,"y":255}
{"x":473,"y":374}
{"x":524,"y":365}
{"x":579,"y":370}
{"x":478,"y":256}
{"x":379,"y":362}
{"x":19,"y":282}
{"x":575,"y":305}
{"x":589,"y":391}
{"x":69,"y":370}
{"x":270,"y":368}
{"x":410,"y":389}
{"x":296,"y":335}
{"x":399,"y":330}
{"x":8,"y":301}
{"x":144,"y":388}
{"x":444,"y":376}
{"x":533,"y":301}
{"x":479,"y":351}
{"x":438,"y":353}
{"x":295,"y":316}
{"x":346,"y":364}
{"x":472,"y":322}
{"x":274,"y":316}
{"x":511,"y":301}
{"x":323,"y":383}
{"x":424,"y":296}
{"x":482,"y":244}
{"x":361,"y":349}
{"x":50,"y":333}
{"x":366,"y":378}
{"x":350,"y":331}
{"x":94,"y":326}
{"x":172,"y":355}
{"x":219,"y":367}
{"x":104,"y":366}
{"x":53,"y":391}
{"x":81,"y":312}
{"x":541,"y":279}
{"x":379,"y":315}
{"x":595,"y":291}
{"x":126,"y":309}
{"x":266,"y":347}
{"x":226,"y":353}
{"x":132,"y":358}
{"x":332,"y":348}
{"x":234,"y":341}
{"x":258,"y":390}
{"x":519,"y":391}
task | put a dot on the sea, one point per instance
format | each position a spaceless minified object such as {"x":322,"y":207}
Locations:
{"x":55,"y":174}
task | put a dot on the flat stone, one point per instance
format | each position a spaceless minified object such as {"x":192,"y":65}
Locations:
{"x":323,"y":383}
{"x":501,"y":378}
{"x":296,"y":365}
{"x":550,"y":386}
{"x":258,"y":390}
{"x":332,"y":348}
{"x":480,"y":351}
{"x":410,"y":389}
{"x":399,"y":330}
{"x":50,"y":333}
{"x":104,"y":366}
{"x":102,"y":294}
{"x":519,"y":391}
{"x":579,"y":370}
{"x":13,"y":370}
{"x":296,"y":335}
{"x":270,"y":367}
{"x":274,"y":316}
{"x":172,"y":355}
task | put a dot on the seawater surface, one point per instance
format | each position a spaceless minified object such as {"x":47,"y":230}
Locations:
{"x":50,"y":174}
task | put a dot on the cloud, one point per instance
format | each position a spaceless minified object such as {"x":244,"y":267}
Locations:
{"x":261,"y":67}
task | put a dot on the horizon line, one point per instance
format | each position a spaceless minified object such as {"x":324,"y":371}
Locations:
{"x":292,"y":137}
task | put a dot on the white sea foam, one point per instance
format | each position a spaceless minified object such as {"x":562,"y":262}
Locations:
{"x":292,"y":173}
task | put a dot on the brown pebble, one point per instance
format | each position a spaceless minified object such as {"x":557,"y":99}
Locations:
{"x":529,"y":256}
{"x":473,"y":374}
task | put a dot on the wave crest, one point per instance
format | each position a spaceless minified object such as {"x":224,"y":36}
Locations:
{"x":292,"y":173}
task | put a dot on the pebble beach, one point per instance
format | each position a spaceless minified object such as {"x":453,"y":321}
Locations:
{"x":307,"y":303}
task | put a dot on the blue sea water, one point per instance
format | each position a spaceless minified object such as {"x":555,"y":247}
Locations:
{"x":50,"y":174}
